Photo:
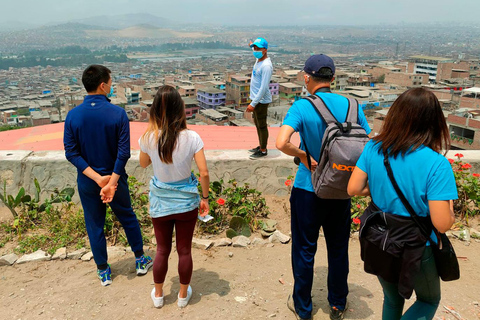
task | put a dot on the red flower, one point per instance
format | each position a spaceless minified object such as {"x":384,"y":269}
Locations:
{"x":288,"y":182}
{"x":476,"y":175}
{"x":221,"y":201}
{"x":199,"y":178}
{"x":358,"y":206}
{"x":466,"y":166}
{"x":459,"y":155}
{"x":356,"y":221}
{"x":451,"y":161}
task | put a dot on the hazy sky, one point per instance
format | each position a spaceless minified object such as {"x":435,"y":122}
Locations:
{"x":249,"y":12}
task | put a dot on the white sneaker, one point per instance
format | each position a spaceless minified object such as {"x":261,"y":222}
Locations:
{"x":182,"y":302}
{"x":157,"y":302}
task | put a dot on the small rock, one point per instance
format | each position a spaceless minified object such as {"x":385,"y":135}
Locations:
{"x":240,"y":241}
{"x":114,"y":252}
{"x":475,"y":303}
{"x":474,"y":233}
{"x":223,"y":242}
{"x":38,"y":255}
{"x":281,"y":281}
{"x":201,"y":243}
{"x":266,"y":234}
{"x":8,"y":259}
{"x":75,"y":255}
{"x":258,"y":242}
{"x":230,"y":254}
{"x":462,"y":234}
{"x":61,"y":254}
{"x":270,"y":245}
{"x":273,"y":315}
{"x":241,"y":299}
{"x":277,"y":236}
{"x":87,"y":256}
{"x":269,"y":225}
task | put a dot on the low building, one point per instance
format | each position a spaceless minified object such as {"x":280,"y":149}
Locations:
{"x":407,"y":79}
{"x":191,"y":107}
{"x":210,"y":116}
{"x":290,"y":90}
{"x":211,"y":98}
{"x":40,"y":118}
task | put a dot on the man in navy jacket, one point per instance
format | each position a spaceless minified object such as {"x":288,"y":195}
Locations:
{"x":97,"y":142}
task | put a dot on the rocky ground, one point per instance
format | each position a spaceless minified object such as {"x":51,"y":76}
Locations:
{"x":250,"y":282}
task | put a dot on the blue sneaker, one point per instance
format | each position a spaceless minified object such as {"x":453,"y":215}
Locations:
{"x":105,"y":276}
{"x":142,"y":264}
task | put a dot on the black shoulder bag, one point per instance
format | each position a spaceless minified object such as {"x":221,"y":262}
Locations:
{"x":445,"y":257}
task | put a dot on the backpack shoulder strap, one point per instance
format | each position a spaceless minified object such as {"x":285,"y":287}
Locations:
{"x":352,"y":113}
{"x":321,"y":108}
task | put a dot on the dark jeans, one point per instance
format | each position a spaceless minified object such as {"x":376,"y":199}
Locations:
{"x":95,"y":211}
{"x":309,"y":213}
{"x":184,"y":224}
{"x":260,"y":119}
{"x":427,"y":290}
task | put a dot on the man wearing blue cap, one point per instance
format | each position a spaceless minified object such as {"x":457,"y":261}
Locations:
{"x":260,"y":95}
{"x":309,"y":212}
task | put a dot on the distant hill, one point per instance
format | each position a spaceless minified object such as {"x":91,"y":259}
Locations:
{"x":8,"y":26}
{"x":145,"y":31}
{"x":127,"y":20}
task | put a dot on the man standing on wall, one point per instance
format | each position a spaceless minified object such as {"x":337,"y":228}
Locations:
{"x":97,"y":142}
{"x":309,"y":212}
{"x":260,"y":95}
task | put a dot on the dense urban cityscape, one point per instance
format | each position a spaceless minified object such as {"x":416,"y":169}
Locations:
{"x":40,"y":69}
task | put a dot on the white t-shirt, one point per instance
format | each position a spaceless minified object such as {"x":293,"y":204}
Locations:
{"x":188,"y":143}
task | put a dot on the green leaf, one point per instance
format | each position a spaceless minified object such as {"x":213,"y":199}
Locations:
{"x":19,"y":196}
{"x":25,"y":199}
{"x":11,"y":201}
{"x":38,"y":190}
{"x":67,"y":192}
{"x":42,"y":207}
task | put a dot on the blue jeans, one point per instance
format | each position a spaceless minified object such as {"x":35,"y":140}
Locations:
{"x":95,"y":212}
{"x":427,"y":290}
{"x":309,"y":213}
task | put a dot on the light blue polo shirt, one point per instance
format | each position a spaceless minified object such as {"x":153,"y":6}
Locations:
{"x":304,"y":119}
{"x":422,"y":175}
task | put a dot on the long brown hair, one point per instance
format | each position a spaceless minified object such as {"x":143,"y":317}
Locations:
{"x":414,"y":119}
{"x":167,"y":120}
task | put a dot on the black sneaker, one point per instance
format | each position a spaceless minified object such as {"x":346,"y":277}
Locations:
{"x":258,"y":154}
{"x":254,"y":149}
{"x":291,"y":306}
{"x":337,"y":314}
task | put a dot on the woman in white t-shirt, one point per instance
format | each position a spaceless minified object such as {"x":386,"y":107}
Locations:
{"x":170,"y":147}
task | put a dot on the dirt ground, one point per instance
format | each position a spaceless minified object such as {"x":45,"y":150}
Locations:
{"x":254,"y":283}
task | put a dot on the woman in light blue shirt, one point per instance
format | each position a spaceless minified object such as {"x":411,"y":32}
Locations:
{"x":413,"y":136}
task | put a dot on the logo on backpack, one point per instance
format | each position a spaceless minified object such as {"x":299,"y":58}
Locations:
{"x":342,"y":167}
{"x":342,"y":145}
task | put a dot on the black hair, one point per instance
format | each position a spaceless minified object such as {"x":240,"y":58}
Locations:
{"x":94,"y":75}
{"x":323,"y":75}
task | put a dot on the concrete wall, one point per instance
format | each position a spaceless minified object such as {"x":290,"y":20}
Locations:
{"x":52,"y":170}
{"x":268,"y":175}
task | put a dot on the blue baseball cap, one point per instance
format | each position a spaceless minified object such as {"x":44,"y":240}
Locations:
{"x":259,"y":42}
{"x":318,"y":61}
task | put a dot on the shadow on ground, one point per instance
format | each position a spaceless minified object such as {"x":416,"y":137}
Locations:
{"x":204,"y":283}
{"x":358,"y":297}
